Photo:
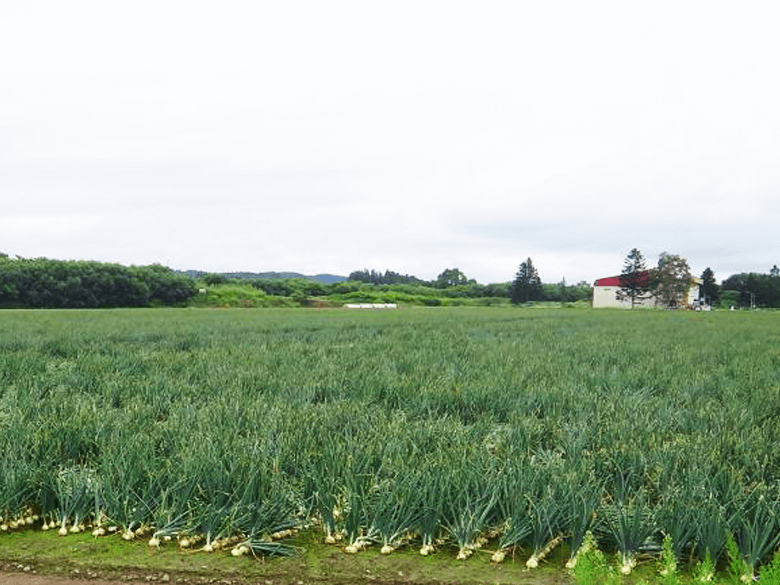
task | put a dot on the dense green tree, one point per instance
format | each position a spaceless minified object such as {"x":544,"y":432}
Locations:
{"x":345,"y":287}
{"x":733,"y":282}
{"x":213,"y":279}
{"x":48,"y":283}
{"x":748,"y":287}
{"x":563,"y":291}
{"x":709,"y":289}
{"x":729,"y":298}
{"x":527,"y":286}
{"x":366,"y":275}
{"x":582,"y":291}
{"x":567,"y":293}
{"x":450,"y":277}
{"x":311,"y":288}
{"x":165,"y":285}
{"x":389,"y":277}
{"x":273,"y":286}
{"x":500,"y":289}
{"x":634,"y":280}
{"x":671,"y":280}
{"x":753,"y":289}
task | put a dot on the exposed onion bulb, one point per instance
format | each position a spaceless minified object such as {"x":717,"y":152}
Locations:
{"x":498,"y":556}
{"x":628,"y":564}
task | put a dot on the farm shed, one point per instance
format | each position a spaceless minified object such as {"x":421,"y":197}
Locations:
{"x":605,"y":293}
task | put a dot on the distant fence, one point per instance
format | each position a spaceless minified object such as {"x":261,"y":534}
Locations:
{"x":371,"y":306}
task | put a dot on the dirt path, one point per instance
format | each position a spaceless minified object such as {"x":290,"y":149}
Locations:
{"x":18,"y":576}
{"x":21,"y":578}
{"x":24,"y":579}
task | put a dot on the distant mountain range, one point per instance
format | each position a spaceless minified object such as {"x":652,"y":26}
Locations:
{"x":324,"y":278}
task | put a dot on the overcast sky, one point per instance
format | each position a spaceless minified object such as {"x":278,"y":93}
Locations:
{"x":333,"y":136}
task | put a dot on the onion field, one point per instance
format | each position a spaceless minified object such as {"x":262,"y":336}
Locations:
{"x":447,"y":431}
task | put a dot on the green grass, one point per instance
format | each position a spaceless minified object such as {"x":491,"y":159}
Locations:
{"x":274,"y":415}
{"x":238,"y":296}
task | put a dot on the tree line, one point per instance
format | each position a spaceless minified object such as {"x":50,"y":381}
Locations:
{"x":388,"y":277}
{"x":49,"y":283}
{"x":66,"y":284}
{"x":526,"y":287}
{"x":750,"y":289}
{"x":46,"y":283}
{"x":313,"y":288}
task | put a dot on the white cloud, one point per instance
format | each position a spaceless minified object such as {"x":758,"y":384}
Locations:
{"x":407,"y":136}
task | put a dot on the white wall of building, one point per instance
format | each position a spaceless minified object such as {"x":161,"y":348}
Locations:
{"x":606,"y":296}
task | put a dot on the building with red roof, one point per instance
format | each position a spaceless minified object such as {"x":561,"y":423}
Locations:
{"x":605,"y":293}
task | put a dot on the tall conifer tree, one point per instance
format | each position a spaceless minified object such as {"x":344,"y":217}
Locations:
{"x":527,"y":285}
{"x":709,"y":289}
{"x":634,"y":280}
